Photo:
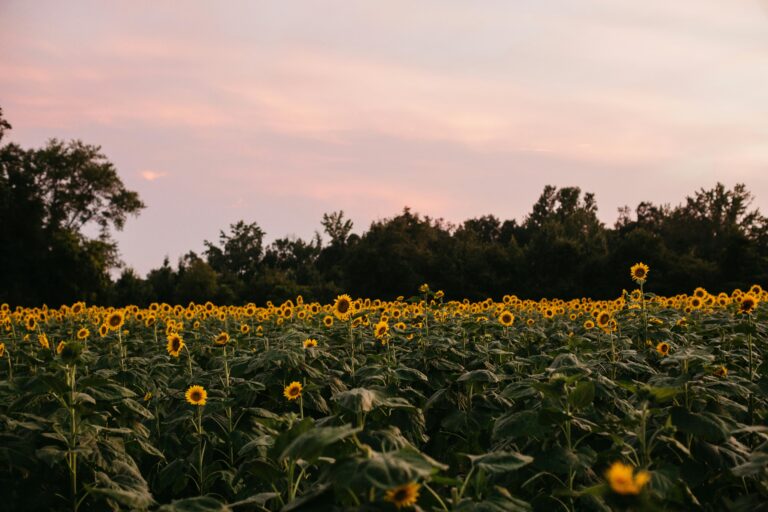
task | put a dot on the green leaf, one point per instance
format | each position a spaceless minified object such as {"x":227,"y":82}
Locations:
{"x":478,"y":376}
{"x":310,"y":445}
{"x":500,"y":462}
{"x":357,"y":399}
{"x":705,"y":426}
{"x":582,"y":395}
{"x":198,"y":504}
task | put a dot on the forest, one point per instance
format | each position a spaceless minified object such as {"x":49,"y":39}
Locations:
{"x":53,"y":199}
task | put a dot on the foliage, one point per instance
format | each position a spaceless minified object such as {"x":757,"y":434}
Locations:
{"x":449,"y":410}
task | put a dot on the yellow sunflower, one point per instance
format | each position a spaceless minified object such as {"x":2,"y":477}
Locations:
{"x":381,"y":329}
{"x":720,"y":371}
{"x":310,"y":342}
{"x":2,"y":349}
{"x":43,"y":340}
{"x":175,"y":344}
{"x":328,"y":321}
{"x":506,"y":318}
{"x":83,"y":333}
{"x":222,"y":339}
{"x":342,"y":307}
{"x":293,"y":390}
{"x":60,"y":347}
{"x":747,"y":304}
{"x":603,"y":318}
{"x":663,"y":348}
{"x":623,"y":480}
{"x":403,"y":495}
{"x":196,"y":395}
{"x":639,"y":272}
{"x":115,"y":320}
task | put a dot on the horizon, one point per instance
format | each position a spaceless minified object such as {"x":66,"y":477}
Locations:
{"x":255,"y":112}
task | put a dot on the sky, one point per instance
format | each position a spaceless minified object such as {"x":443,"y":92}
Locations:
{"x":276,"y":112}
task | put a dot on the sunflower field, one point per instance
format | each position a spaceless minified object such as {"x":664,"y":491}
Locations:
{"x":420,"y":403}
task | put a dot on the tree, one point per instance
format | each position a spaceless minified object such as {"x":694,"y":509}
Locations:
{"x":49,"y":200}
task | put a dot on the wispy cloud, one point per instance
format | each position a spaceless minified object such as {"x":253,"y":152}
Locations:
{"x":149,"y":175}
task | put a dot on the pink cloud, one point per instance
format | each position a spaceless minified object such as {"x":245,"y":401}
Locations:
{"x":150,"y":175}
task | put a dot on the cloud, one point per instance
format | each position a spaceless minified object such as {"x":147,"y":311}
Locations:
{"x":152,"y":175}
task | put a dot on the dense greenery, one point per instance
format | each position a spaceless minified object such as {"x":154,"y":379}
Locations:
{"x":49,"y":196}
{"x":641,"y":403}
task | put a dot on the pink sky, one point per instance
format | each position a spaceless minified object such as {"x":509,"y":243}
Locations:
{"x":276,"y":112}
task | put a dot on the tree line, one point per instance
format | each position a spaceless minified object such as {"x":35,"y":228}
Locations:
{"x":52,"y":196}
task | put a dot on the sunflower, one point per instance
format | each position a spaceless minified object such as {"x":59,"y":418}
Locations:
{"x":43,"y":340}
{"x":147,"y":396}
{"x":175,"y":344}
{"x":506,"y":318}
{"x":115,"y":320}
{"x":381,"y":329}
{"x":622,"y":479}
{"x":103,"y":330}
{"x":721,"y":371}
{"x":342,"y":308}
{"x":663,"y":348}
{"x":245,"y":328}
{"x":31,"y":323}
{"x":221,"y":339}
{"x":83,"y":333}
{"x":2,"y":349}
{"x":589,"y":324}
{"x":424,"y":288}
{"x":293,"y":390}
{"x":60,"y":347}
{"x":639,"y":272}
{"x":603,"y":318}
{"x":196,"y":395}
{"x":747,"y":304}
{"x":403,"y":495}
{"x":310,"y":342}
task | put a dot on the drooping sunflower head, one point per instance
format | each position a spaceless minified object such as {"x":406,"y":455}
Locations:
{"x":506,"y":318}
{"x":43,"y":340}
{"x":310,"y":342}
{"x":663,"y":348}
{"x":403,"y":496}
{"x":747,"y":304}
{"x":175,"y":344}
{"x":623,"y":480}
{"x":292,"y":391}
{"x":196,"y":395}
{"x":342,"y":307}
{"x":639,"y":272}
{"x":221,"y":339}
{"x":60,"y":347}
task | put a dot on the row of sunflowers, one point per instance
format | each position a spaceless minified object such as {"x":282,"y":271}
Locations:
{"x":637,"y":403}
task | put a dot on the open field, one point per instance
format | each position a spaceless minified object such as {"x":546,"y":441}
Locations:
{"x":365,"y":404}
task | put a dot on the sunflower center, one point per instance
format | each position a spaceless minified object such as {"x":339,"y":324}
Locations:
{"x":196,"y":396}
{"x":343,"y":306}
